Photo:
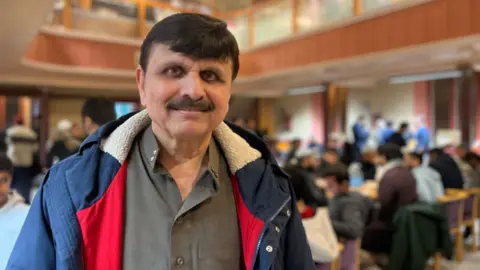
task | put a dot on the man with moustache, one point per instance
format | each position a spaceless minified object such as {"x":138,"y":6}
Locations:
{"x":172,"y":186}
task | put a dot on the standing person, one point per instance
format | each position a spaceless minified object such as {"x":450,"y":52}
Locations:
{"x":13,"y":211}
{"x":360,"y":134}
{"x":22,"y":150}
{"x":96,"y":112}
{"x":64,"y":144}
{"x":398,"y":138}
{"x":387,"y":132}
{"x":429,"y":181}
{"x":173,"y":185}
{"x":422,"y":136}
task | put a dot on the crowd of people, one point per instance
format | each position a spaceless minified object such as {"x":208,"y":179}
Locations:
{"x":402,"y":167}
{"x":21,"y":171}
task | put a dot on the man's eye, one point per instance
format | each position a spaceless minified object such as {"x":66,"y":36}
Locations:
{"x":209,"y":76}
{"x":174,"y":72}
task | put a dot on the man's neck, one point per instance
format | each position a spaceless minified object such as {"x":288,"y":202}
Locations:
{"x":182,"y":158}
{"x":3,"y":202}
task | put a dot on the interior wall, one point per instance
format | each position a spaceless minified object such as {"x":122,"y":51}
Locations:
{"x":394,"y":102}
{"x":298,"y":110}
{"x":60,"y":109}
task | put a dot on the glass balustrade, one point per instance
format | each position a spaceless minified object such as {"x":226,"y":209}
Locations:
{"x":313,"y":14}
{"x":273,"y":22}
{"x":375,"y":4}
{"x":239,"y":28}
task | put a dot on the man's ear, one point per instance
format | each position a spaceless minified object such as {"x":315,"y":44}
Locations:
{"x":141,"y":85}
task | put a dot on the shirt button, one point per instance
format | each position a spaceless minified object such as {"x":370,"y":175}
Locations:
{"x":152,"y":159}
{"x":179,"y":261}
{"x":269,"y":248}
{"x":154,"y":152}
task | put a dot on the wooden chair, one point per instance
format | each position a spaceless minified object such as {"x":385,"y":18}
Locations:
{"x":454,"y":202}
{"x":471,"y":211}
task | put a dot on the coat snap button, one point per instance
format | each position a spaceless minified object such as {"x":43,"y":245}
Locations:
{"x":277,"y":229}
{"x":288,"y":213}
{"x":269,"y":248}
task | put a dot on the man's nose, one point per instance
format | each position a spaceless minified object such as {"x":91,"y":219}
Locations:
{"x":193,"y":86}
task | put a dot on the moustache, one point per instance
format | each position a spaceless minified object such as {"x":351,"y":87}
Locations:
{"x":188,"y":104}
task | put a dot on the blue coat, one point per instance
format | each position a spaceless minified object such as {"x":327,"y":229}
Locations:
{"x":76,"y":219}
{"x":360,"y":134}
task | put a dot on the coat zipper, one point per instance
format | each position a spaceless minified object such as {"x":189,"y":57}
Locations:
{"x":263,"y":230}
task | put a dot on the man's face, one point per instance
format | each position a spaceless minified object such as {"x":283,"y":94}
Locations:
{"x":332,"y":185}
{"x":380,"y":160}
{"x":461,"y":152}
{"x":5,"y":180}
{"x":410,"y":161}
{"x":330,"y":158}
{"x":184,"y":97}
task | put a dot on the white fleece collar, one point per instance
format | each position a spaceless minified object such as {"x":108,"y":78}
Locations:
{"x":237,"y":151}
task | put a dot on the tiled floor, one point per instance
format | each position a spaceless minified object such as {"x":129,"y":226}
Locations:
{"x":471,"y":262}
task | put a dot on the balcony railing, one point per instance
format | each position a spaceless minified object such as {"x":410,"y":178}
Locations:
{"x":257,"y":25}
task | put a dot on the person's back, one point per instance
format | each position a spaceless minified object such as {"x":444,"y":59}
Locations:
{"x":349,"y":211}
{"x":429,"y":184}
{"x":448,"y":170}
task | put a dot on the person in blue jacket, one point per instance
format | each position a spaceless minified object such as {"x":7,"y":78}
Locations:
{"x":360,"y":134}
{"x":422,"y":136}
{"x":172,"y":186}
{"x":387,"y":132}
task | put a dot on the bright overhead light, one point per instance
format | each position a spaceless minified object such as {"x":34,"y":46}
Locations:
{"x":425,"y":77}
{"x":306,"y":90}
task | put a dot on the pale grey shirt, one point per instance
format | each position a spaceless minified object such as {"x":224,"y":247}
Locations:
{"x":164,"y":232}
{"x":429,"y":184}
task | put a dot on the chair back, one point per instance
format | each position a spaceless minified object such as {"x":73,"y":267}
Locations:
{"x":455,"y":208}
{"x":350,"y":255}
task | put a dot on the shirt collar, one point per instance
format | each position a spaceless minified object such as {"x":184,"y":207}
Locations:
{"x":151,"y":149}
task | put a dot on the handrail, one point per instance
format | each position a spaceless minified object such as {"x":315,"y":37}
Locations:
{"x":249,"y":12}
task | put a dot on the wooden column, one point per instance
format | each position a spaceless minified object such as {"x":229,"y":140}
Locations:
{"x":251,"y":29}
{"x":44,"y":127}
{"x":25,"y":110}
{"x":467,"y":104}
{"x":3,"y":112}
{"x":294,"y":4}
{"x":67,"y":14}
{"x":266,"y":116}
{"x":85,"y":4}
{"x":357,"y":7}
{"x":142,"y":18}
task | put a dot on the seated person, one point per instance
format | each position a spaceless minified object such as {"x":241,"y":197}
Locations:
{"x":429,"y":181}
{"x":473,"y":160}
{"x":303,"y":179}
{"x":13,"y":211}
{"x":397,"y":187}
{"x":349,"y":211}
{"x":447,"y":168}
{"x":330,"y":157}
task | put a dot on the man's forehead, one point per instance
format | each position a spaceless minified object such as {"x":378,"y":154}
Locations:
{"x":161,"y":53}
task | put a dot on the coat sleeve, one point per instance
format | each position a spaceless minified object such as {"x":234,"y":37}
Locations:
{"x":297,"y":253}
{"x":351,"y":224}
{"x":34,"y":246}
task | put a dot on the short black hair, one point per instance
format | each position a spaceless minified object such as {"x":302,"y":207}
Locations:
{"x":100,"y":110}
{"x":471,"y":156}
{"x":194,"y":35}
{"x":417,"y":156}
{"x":5,"y":164}
{"x":404,"y":125}
{"x":437,"y":151}
{"x":339,"y":171}
{"x":389,"y":123}
{"x":331,"y":151}
{"x":390,"y":151}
